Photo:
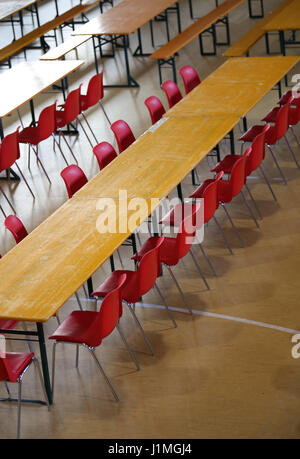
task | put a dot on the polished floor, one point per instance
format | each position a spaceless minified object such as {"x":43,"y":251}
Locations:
{"x":225,"y":372}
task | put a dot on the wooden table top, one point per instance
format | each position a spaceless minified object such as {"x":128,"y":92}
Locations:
{"x":10,"y":7}
{"x":287,"y":19}
{"x":235,"y":87}
{"x":35,"y":77}
{"x":66,"y":249}
{"x":124,"y":18}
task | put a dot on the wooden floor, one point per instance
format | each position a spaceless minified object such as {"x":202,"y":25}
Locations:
{"x":225,"y":372}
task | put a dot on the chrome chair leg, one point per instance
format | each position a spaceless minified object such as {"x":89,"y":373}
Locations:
{"x":267,"y":182}
{"x":19,"y":408}
{"x":277,"y":165}
{"x":88,"y":124}
{"x":208,"y":260}
{"x":41,"y":164}
{"x":294,"y":134}
{"x":291,"y":151}
{"x":82,"y":127}
{"x":78,"y":301}
{"x":249,"y":208}
{"x":67,"y":143}
{"x":223,"y":234}
{"x":140,"y":327}
{"x":199,"y":269}
{"x":60,"y":149}
{"x":105,"y":114}
{"x":179,"y":289}
{"x":92,"y":351}
{"x":132,"y":355}
{"x":165,"y":304}
{"x":232,"y":224}
{"x":21,"y":173}
{"x":253,"y":200}
{"x":8,"y":201}
{"x":53,"y":368}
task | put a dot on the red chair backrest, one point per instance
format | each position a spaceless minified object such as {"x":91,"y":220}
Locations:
{"x":11,"y":365}
{"x":237,"y":177}
{"x":9,"y":150}
{"x":46,"y":123}
{"x":16,"y":227}
{"x":108,"y":316}
{"x":257,"y":151}
{"x":123,"y":134}
{"x":187,"y":232}
{"x":296,"y":101}
{"x":72,"y":106}
{"x":210,"y":196}
{"x":190,"y":78}
{"x":149,"y":268}
{"x":282,"y":120}
{"x":172,"y":92}
{"x":95,"y":90}
{"x":74,"y":178}
{"x":105,"y":153}
{"x":155,"y":107}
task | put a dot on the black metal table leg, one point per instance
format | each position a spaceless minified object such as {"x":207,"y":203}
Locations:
{"x":232,"y":147}
{"x":44,"y":361}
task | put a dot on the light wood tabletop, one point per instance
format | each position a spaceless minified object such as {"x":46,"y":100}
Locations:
{"x":287,"y":19}
{"x":235,"y":87}
{"x":66,"y":249}
{"x":8,"y":8}
{"x":24,"y":81}
{"x":124,"y":18}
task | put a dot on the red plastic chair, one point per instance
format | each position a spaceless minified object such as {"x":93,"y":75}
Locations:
{"x":155,"y":107}
{"x":254,"y":162}
{"x":172,"y":92}
{"x":94,"y":95}
{"x":74,"y":179}
{"x":293,"y":113}
{"x":44,"y":128}
{"x":9,"y":153}
{"x":13,"y":366}
{"x":105,"y":154}
{"x":209,"y":192}
{"x":68,"y":113}
{"x":173,"y":249}
{"x":123,"y":134}
{"x":275,"y":133}
{"x":89,"y":328}
{"x":16,"y":227}
{"x":138,"y":283}
{"x":189,"y":77}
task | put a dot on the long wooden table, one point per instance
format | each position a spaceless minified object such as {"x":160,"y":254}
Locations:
{"x":9,"y":8}
{"x":122,"y":20}
{"x":235,"y":87}
{"x":66,"y":249}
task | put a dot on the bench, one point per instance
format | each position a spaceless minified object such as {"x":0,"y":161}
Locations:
{"x":242,"y":46}
{"x":64,"y":48}
{"x":67,"y":18}
{"x":206,"y":24}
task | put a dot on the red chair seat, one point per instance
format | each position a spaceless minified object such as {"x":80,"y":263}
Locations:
{"x":226,"y":164}
{"x":129,"y":288}
{"x":250,"y":135}
{"x":167,"y":249}
{"x":78,"y":327}
{"x":29,"y":135}
{"x":8,"y":324}
{"x":15,"y":364}
{"x":200,"y":190}
{"x":271,"y":116}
